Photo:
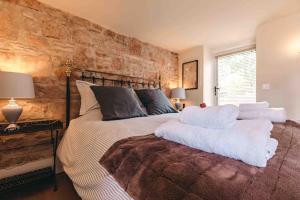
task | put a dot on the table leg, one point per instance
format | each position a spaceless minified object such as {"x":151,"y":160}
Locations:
{"x":54,"y":145}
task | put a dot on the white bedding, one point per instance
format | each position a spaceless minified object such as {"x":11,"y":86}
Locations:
{"x":85,"y":142}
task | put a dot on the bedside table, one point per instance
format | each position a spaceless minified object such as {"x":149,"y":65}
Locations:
{"x":29,"y":127}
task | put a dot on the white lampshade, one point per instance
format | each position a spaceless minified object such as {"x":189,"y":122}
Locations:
{"x":16,"y":85}
{"x":178,"y":93}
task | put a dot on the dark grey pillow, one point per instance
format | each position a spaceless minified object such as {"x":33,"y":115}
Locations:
{"x":155,"y":101}
{"x":117,"y":103}
{"x":139,"y":101}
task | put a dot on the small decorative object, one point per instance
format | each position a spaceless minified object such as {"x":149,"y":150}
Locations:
{"x":190,"y":75}
{"x":14,"y":86}
{"x":203,"y":105}
{"x":178,"y":94}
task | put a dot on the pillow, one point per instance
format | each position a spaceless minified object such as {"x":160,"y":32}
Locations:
{"x":155,"y":101}
{"x":88,"y":99}
{"x":139,"y":101}
{"x":117,"y":103}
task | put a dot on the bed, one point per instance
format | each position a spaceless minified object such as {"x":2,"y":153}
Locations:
{"x":88,"y":138}
{"x":80,"y":152}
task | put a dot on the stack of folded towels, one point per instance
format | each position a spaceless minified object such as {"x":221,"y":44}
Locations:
{"x":217,"y":130}
{"x":261,"y":110}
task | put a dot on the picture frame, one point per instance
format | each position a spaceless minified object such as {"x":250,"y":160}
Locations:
{"x":190,"y":75}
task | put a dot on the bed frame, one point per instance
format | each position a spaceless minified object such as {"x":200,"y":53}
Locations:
{"x":104,"y":78}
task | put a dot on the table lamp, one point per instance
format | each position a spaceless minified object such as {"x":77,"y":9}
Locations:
{"x":178,"y":93}
{"x":14,"y":86}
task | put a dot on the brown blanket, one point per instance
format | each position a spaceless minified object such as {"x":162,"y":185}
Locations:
{"x":151,"y":168}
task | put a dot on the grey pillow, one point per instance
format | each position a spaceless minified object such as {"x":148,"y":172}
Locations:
{"x":155,"y":101}
{"x":139,"y":101}
{"x":117,"y":103}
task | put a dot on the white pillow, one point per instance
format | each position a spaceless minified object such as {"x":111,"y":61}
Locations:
{"x":88,"y":99}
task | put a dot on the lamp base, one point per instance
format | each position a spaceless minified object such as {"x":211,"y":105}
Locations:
{"x":12,"y":127}
{"x":12,"y":112}
{"x":178,"y":105}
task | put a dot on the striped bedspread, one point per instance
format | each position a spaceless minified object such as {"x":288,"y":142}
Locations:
{"x":86,"y":141}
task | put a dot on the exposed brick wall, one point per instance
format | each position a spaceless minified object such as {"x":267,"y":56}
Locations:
{"x":37,"y":39}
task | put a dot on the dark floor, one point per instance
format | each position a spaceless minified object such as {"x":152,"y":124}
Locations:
{"x":44,"y":191}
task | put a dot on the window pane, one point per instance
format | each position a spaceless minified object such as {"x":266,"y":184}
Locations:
{"x":237,"y":78}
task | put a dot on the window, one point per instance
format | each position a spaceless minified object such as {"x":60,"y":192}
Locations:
{"x":237,"y":77}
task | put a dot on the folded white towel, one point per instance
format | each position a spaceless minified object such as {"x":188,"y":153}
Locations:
{"x":253,"y":106}
{"x":218,"y":117}
{"x":273,"y":114}
{"x":246,"y":141}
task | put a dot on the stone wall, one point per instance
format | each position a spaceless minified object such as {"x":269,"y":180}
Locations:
{"x":37,"y":39}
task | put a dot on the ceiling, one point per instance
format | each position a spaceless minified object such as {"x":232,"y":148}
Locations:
{"x":180,"y":24}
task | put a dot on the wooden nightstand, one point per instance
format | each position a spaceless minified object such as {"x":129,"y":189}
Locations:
{"x":54,"y":128}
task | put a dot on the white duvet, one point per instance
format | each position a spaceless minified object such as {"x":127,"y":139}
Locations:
{"x":85,"y":142}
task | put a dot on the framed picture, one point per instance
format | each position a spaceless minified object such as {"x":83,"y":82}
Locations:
{"x":190,"y":75}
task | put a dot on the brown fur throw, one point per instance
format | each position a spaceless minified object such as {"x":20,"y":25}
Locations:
{"x":151,"y":168}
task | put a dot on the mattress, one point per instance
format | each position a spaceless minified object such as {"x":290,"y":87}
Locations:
{"x":85,"y":142}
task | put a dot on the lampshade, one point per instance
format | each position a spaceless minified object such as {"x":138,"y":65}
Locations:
{"x":16,"y":85}
{"x":178,"y":93}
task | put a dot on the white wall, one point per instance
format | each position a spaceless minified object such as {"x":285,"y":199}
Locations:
{"x":209,"y":77}
{"x":206,"y":75}
{"x":278,"y":63}
{"x":194,"y":97}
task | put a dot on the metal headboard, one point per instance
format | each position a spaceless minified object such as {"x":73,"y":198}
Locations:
{"x":103,"y":78}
